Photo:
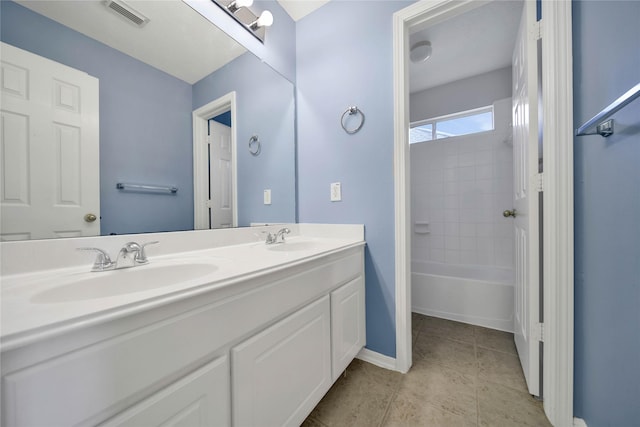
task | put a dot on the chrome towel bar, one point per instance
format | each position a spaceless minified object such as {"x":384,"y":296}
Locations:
{"x":147,"y":188}
{"x":604,"y":127}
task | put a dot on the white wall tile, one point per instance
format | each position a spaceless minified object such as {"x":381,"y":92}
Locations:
{"x":467,"y":183}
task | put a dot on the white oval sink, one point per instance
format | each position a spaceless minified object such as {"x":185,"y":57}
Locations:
{"x":124,"y":281}
{"x":292,"y":246}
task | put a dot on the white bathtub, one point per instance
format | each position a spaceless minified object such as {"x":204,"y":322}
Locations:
{"x":477,"y":295}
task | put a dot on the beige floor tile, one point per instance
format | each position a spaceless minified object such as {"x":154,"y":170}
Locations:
{"x":416,"y":321}
{"x":311,"y":422}
{"x":455,"y":355}
{"x":441,"y":387}
{"x":495,"y":340}
{"x":406,"y":410}
{"x":502,"y":406}
{"x":359,"y":399}
{"x":448,"y":329}
{"x":500,"y":368}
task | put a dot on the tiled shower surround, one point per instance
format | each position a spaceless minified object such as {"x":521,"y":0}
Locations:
{"x":459,"y":188}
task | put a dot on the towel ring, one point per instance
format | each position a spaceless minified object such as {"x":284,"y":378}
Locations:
{"x":351,"y":111}
{"x":254,"y":145}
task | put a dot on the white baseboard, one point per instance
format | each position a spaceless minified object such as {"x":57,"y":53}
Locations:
{"x":579,"y":422}
{"x":377,"y":359}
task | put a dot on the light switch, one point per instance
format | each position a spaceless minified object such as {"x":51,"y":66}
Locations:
{"x":267,"y":197}
{"x":336,"y":192}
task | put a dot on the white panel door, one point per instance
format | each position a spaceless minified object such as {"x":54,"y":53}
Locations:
{"x":49,"y":138}
{"x":220,"y":172}
{"x":280,"y":375}
{"x":525,"y":152}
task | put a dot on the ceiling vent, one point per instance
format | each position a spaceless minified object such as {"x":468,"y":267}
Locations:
{"x":127,"y":12}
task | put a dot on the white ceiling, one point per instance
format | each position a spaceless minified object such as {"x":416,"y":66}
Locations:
{"x":176,"y":40}
{"x":476,"y":42}
{"x":298,"y":9}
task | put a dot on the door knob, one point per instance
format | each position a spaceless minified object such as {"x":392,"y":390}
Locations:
{"x":509,"y":213}
{"x":90,"y":217}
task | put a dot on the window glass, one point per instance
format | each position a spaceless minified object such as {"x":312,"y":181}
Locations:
{"x":463,"y":123}
{"x":421,"y":133}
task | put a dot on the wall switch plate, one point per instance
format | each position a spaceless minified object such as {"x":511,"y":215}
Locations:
{"x":267,"y":197}
{"x":336,"y":192}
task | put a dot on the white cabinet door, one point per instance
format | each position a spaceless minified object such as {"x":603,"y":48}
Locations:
{"x":347,"y":324}
{"x":280,"y":374}
{"x":201,"y":399}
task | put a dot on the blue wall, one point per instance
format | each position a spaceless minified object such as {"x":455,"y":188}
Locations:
{"x":343,"y":59}
{"x":606,"y":38}
{"x":145,"y":123}
{"x":265,"y":107}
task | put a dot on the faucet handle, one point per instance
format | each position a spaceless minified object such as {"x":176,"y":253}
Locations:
{"x":102,"y":262}
{"x":142,"y":255}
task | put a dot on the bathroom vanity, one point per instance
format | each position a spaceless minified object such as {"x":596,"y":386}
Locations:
{"x":233,"y":332}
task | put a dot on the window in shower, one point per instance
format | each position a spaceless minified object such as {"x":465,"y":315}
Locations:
{"x":458,"y":124}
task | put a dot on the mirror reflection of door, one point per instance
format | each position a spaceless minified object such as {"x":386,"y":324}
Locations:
{"x":50,"y":149}
{"x":220,"y":172}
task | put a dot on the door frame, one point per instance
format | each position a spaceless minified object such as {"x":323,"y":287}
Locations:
{"x":557,"y":77}
{"x":201,"y":118}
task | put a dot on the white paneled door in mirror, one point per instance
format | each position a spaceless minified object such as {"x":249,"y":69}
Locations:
{"x":220,"y":175}
{"x":50,"y":149}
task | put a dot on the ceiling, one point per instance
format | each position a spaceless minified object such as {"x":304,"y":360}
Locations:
{"x":176,"y":40}
{"x":476,"y":42}
{"x":298,"y":9}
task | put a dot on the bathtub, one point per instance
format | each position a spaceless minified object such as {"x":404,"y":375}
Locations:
{"x":478,"y":295}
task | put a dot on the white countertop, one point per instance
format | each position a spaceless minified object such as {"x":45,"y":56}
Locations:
{"x":33,"y":308}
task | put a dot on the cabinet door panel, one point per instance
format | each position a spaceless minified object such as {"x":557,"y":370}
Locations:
{"x":200,"y":399}
{"x":280,"y":374}
{"x":347,"y":324}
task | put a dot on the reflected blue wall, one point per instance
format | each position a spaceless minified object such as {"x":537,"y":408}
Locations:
{"x":145,"y":123}
{"x":607,"y":216}
{"x":266,"y":108}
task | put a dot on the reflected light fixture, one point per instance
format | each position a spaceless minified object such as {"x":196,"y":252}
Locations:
{"x":265,"y":20}
{"x":237,"y":4}
{"x":420,"y":51}
{"x":240,"y":11}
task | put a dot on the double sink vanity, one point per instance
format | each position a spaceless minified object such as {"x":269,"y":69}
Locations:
{"x":215,"y":328}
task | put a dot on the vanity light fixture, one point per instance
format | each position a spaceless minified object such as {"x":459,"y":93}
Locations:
{"x":237,"y":4}
{"x":240,"y":11}
{"x":420,"y":51}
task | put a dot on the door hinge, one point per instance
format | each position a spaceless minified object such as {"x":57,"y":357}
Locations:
{"x":207,"y":204}
{"x":537,"y":30}
{"x":538,"y":332}
{"x":208,"y":139}
{"x":539,"y":182}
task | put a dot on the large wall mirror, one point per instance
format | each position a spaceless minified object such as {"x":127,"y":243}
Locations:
{"x":138,"y":86}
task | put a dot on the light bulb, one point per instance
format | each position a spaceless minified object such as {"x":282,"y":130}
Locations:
{"x":265,"y":20}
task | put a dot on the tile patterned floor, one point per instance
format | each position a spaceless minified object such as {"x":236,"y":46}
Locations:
{"x":462,"y":375}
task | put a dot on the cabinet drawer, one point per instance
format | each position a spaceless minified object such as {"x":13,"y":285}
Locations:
{"x":201,"y":399}
{"x":347,"y":324}
{"x":280,"y":374}
{"x":87,"y":386}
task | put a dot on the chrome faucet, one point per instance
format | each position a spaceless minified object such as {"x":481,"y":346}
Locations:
{"x":131,"y":255}
{"x":274,"y":237}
